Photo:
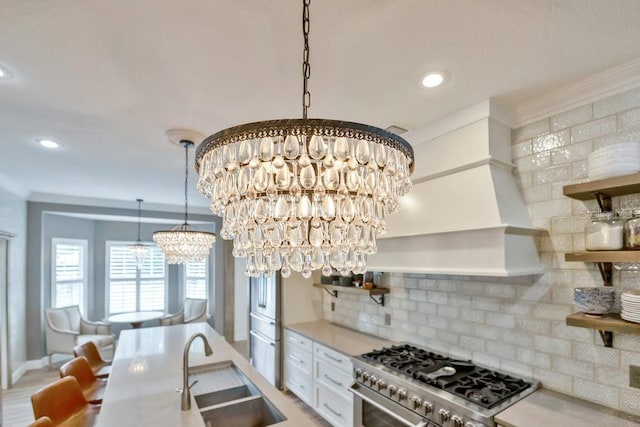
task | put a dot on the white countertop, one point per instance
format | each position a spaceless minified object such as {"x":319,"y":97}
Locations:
{"x":339,"y":338}
{"x":549,"y":408}
{"x":147,"y":369}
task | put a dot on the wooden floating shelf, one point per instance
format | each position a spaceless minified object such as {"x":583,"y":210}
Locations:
{"x":374,"y":292}
{"x":604,"y":256}
{"x":609,"y":187}
{"x":606,"y":325}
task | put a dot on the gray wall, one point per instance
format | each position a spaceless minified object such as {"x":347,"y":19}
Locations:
{"x":13,"y":214}
{"x":45,"y":222}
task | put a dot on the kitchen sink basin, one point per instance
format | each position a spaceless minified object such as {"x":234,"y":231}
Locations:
{"x":226,"y":397}
{"x":255,"y":411}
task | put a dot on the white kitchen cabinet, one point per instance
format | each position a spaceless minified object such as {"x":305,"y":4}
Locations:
{"x":319,"y":376}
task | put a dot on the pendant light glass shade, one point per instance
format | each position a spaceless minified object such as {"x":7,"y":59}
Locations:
{"x":138,"y":250}
{"x":184,"y":244}
{"x":304,"y":194}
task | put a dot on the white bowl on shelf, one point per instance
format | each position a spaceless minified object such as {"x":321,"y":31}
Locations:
{"x":594,"y":301}
{"x":614,"y":160}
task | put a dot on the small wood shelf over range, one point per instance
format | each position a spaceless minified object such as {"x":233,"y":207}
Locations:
{"x":373,"y":293}
{"x":603,"y":190}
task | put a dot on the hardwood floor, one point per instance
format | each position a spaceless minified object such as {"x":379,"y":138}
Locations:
{"x":16,"y":402}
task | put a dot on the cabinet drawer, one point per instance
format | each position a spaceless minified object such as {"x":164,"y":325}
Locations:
{"x":298,"y":358}
{"x":333,"y":378}
{"x":337,"y":359}
{"x":299,"y":383}
{"x":333,"y":408}
{"x":297,"y":339}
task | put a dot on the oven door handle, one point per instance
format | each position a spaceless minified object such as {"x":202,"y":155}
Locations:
{"x":353,"y":390}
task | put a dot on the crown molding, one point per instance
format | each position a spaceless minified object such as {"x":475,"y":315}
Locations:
{"x":582,"y":92}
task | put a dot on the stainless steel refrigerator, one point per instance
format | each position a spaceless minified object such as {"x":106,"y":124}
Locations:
{"x":265,"y":326}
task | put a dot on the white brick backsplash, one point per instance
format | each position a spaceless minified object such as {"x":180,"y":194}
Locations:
{"x":559,"y":329}
{"x":534,"y":326}
{"x":579,"y":170}
{"x":472,"y":343}
{"x":436,"y":297}
{"x":499,"y":290}
{"x":610,"y":376}
{"x":617,"y":103}
{"x":628,"y":342}
{"x":427,"y":307}
{"x":596,"y":354}
{"x":571,"y":118}
{"x":521,"y":150}
{"x":552,"y":175}
{"x":485,"y":303}
{"x":570,"y":154}
{"x":557,"y":243}
{"x":594,"y":129}
{"x":630,"y":400}
{"x":501,"y":350}
{"x":517,"y":338}
{"x":629,"y":119}
{"x":531,"y":131}
{"x":551,"y":141}
{"x":449,"y":312}
{"x":554,"y":380}
{"x":515,"y":368}
{"x":552,"y":311}
{"x":487,"y":332}
{"x":533,"y":358}
{"x":507,"y":321}
{"x":575,"y":368}
{"x":425,"y":332}
{"x":568,"y":224}
{"x":472,"y":315}
{"x":538,"y":193}
{"x":552,"y":208}
{"x":448,"y":337}
{"x":628,"y":135}
{"x":552,"y":345}
{"x":534,"y":162}
{"x":488,"y":360}
{"x":595,"y":392}
{"x":418,"y":295}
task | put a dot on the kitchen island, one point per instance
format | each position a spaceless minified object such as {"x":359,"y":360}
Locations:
{"x":147,"y":370}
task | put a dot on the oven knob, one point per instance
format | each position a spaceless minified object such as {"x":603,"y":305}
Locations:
{"x":402,"y":394}
{"x":358,"y":373}
{"x":381,"y":385}
{"x":427,"y":406}
{"x":392,"y":390}
{"x":457,"y":421}
{"x":365,"y":377}
{"x":372,"y":380}
{"x":416,"y":402}
{"x":444,"y":414}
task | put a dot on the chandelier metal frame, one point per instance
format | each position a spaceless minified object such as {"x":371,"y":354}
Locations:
{"x":138,"y":249}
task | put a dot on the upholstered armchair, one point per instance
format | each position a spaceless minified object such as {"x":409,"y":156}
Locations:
{"x":65,"y":328}
{"x":193,"y":311}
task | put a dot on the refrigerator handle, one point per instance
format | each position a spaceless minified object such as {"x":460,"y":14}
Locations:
{"x":262,"y":338}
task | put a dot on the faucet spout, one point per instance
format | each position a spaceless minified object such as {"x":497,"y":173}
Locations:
{"x":186,"y":388}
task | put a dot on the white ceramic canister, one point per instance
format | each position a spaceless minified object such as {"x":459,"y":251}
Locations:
{"x":604,"y":232}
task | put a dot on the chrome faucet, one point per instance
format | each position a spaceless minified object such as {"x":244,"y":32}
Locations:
{"x":186,"y":388}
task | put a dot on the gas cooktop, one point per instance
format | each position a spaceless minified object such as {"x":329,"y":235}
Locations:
{"x":460,"y":377}
{"x":444,"y":390}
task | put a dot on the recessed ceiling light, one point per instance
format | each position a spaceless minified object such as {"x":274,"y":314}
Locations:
{"x":48,"y":143}
{"x":433,"y":80}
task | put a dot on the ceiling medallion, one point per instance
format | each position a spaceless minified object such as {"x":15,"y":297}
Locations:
{"x":304,"y":194}
{"x":184,"y":244}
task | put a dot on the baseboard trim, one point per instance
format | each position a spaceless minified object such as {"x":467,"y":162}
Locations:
{"x":31,"y":365}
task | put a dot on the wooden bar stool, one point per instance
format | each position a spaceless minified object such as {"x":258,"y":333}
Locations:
{"x":92,"y":387}
{"x":101,"y":368}
{"x":42,"y":422}
{"x":63,"y":404}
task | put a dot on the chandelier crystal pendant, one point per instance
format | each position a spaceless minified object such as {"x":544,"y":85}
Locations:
{"x":138,"y":250}
{"x":183,"y":243}
{"x":304,"y":194}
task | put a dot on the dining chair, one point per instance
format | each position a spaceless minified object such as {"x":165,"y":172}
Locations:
{"x":101,"y":368}
{"x":63,"y":401}
{"x":92,"y":387}
{"x":194,"y":310}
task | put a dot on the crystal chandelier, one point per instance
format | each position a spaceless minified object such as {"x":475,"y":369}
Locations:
{"x":304,"y":194}
{"x":183,"y":243}
{"x":138,"y":250}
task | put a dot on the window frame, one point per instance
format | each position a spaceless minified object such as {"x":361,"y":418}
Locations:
{"x":84,"y":244}
{"x":185,"y":278}
{"x":138,"y":280}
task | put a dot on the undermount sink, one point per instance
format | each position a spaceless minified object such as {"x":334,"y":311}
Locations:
{"x":226,"y":397}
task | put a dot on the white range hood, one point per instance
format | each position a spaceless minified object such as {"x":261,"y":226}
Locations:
{"x":464,"y":214}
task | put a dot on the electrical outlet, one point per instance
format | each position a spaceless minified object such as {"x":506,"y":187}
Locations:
{"x":387,"y":319}
{"x":634,"y":376}
{"x":333,"y":306}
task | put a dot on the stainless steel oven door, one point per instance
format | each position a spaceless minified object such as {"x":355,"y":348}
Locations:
{"x":374,"y":410}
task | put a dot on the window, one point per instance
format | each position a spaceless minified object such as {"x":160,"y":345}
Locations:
{"x":130,"y":289}
{"x":69,"y":275}
{"x":195,"y":280}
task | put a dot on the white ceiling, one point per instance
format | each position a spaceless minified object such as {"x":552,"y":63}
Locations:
{"x":107,"y":79}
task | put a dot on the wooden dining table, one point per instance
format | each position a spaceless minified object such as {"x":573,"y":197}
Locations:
{"x":135,"y":318}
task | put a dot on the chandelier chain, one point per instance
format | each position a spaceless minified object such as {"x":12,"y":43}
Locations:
{"x":186,"y":144}
{"x":139,"y":202}
{"x":306,"y":66}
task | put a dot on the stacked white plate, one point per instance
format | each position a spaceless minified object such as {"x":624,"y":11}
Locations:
{"x":630,"y":301}
{"x":614,"y":160}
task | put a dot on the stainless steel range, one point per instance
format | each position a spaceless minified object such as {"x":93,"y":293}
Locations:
{"x":408,"y":385}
